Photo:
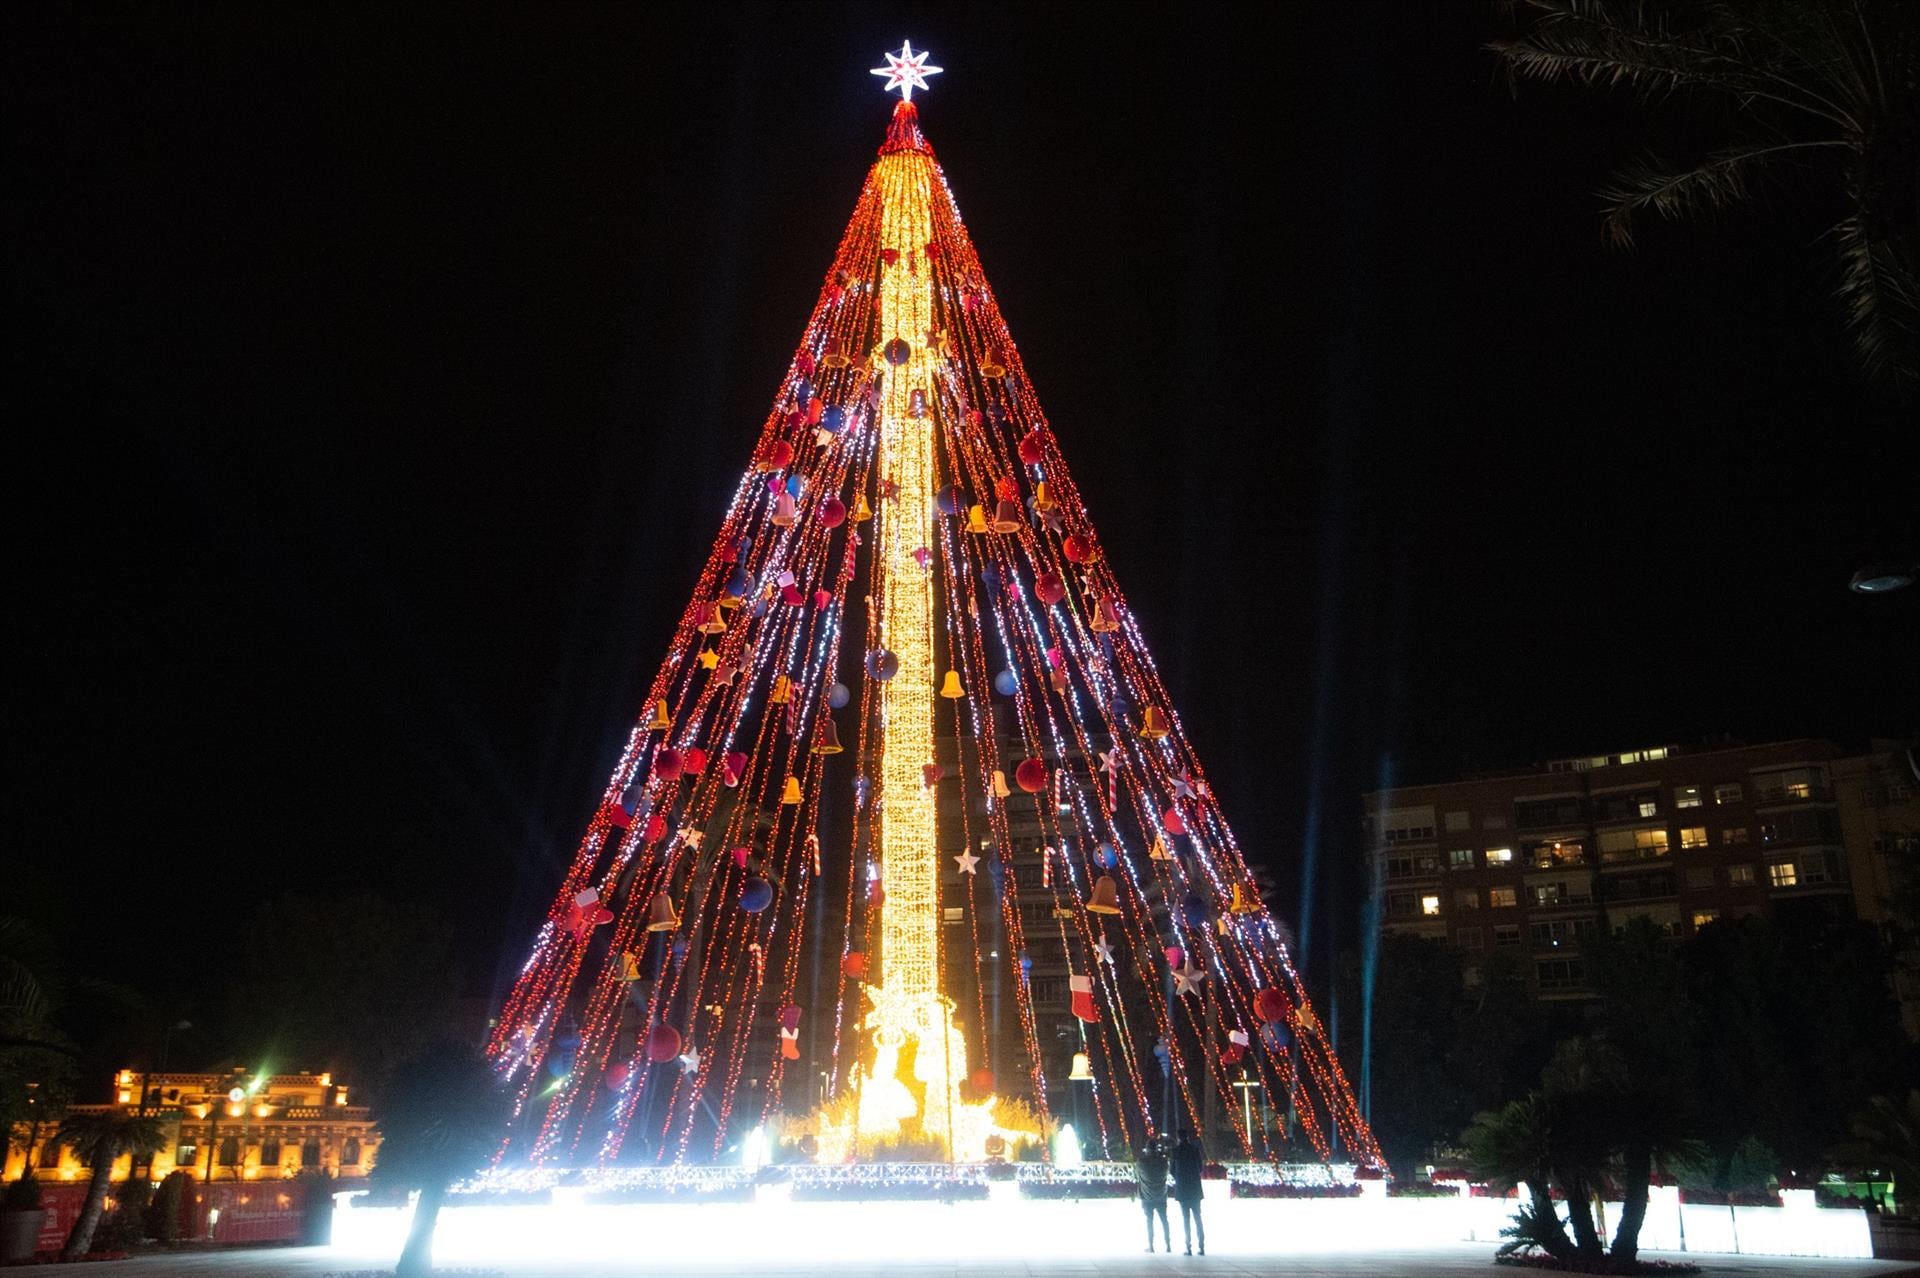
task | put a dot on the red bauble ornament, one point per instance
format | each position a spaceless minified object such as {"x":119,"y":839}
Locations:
{"x":1031,"y":776}
{"x":855,"y":965}
{"x":617,"y":1076}
{"x":663,"y":1044}
{"x":1271,"y":1006}
{"x":656,"y":828}
{"x":833,"y":513}
{"x":982,"y":1080}
{"x":667,"y":764}
{"x":1033,"y":446}
{"x":1048,"y":588}
{"x":778,"y":454}
{"x":693,"y":761}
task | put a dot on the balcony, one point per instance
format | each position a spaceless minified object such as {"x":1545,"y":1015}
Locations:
{"x":1788,"y":795}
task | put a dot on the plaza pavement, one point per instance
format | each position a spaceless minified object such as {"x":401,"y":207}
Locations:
{"x":1426,"y":1262}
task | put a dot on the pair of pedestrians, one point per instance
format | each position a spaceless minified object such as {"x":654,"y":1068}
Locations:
{"x":1153,"y":1168}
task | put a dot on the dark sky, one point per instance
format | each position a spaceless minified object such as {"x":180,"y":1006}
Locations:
{"x":382,"y":372}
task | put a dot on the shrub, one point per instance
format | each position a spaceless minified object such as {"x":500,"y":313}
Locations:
{"x":21,"y":1195}
{"x":165,"y":1208}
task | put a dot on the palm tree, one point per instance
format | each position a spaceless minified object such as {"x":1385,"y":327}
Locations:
{"x":442,"y":1119}
{"x":1510,"y":1147}
{"x":98,"y":1137}
{"x":1886,"y":1138}
{"x":1827,"y":87}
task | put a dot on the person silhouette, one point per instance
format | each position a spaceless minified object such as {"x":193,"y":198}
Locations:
{"x":1150,"y":1175}
{"x":1185,"y":1165}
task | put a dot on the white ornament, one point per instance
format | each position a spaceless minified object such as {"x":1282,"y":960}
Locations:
{"x":967,"y":861}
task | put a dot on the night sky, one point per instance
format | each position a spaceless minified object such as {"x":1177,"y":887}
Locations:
{"x":379,"y":379}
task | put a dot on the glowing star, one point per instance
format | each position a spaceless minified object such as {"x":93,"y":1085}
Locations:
{"x":967,"y":861}
{"x":1183,"y":786}
{"x":690,"y":1061}
{"x":1104,"y":950}
{"x":691,"y":837}
{"x":1187,"y":978}
{"x":906,"y":71}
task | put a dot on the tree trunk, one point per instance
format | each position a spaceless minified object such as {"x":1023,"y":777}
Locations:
{"x":80,"y":1237}
{"x":1552,"y":1236}
{"x":1586,"y":1239}
{"x":1638,"y":1158}
{"x":417,"y":1257}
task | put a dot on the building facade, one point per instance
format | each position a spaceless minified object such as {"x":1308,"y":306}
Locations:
{"x":1538,"y":863}
{"x":231,"y":1126}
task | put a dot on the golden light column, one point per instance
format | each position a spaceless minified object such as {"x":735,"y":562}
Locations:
{"x":909,"y":1010}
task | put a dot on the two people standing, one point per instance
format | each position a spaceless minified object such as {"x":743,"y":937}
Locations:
{"x":1153,"y":1169}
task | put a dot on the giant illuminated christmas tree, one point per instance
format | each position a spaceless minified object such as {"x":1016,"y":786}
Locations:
{"x":907,"y":651}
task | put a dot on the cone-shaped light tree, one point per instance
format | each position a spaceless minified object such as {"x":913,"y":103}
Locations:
{"x":906,"y":651}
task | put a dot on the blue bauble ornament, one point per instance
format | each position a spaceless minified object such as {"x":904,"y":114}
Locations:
{"x":834,"y":420}
{"x":794,"y":485}
{"x":739,"y":585}
{"x":838,"y":695}
{"x":756,"y":895}
{"x":1105,"y":855}
{"x":882,"y":664}
{"x":950,"y":500}
{"x":1193,"y":910}
{"x":1006,"y":683}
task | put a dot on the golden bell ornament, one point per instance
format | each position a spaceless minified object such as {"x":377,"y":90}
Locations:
{"x":782,"y":691}
{"x":1082,"y":1071}
{"x":950,"y":687}
{"x":1243,"y":902}
{"x":1154,"y":727}
{"x":861,"y":511}
{"x":1104,"y":622}
{"x":1000,"y":790}
{"x":1042,"y":502}
{"x":827,"y":739}
{"x":834,"y":356}
{"x":659,"y":722}
{"x":714,"y":624}
{"x":976,"y":519}
{"x":1106,"y":896}
{"x":660,"y":915}
{"x":791,"y":794}
{"x":1159,"y":851}
{"x":630,"y":965}
{"x":1059,"y":678}
{"x":993,"y":365}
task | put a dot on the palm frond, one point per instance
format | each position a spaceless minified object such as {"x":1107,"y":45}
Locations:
{"x":1718,"y":182}
{"x":1882,"y":301}
{"x":1598,"y":44}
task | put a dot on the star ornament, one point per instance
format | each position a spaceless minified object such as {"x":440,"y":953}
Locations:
{"x":1187,"y":978}
{"x":967,"y":861}
{"x":906,"y":71}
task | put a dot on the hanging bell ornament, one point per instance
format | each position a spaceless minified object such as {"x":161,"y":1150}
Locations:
{"x":827,"y":739}
{"x":1106,"y":896}
{"x":1159,"y":851}
{"x":659,"y":722}
{"x":1006,"y":516}
{"x":1154,"y":726}
{"x":1059,"y":679}
{"x":1000,"y":790}
{"x":660,"y":915}
{"x":950,"y":687}
{"x":861,"y":511}
{"x":976,"y":519}
{"x":782,"y":691}
{"x":784,"y":515}
{"x":714,"y":624}
{"x":790,"y":794}
{"x":835,"y":356}
{"x":1082,"y":1071}
{"x":1243,"y":902}
{"x":994,"y":364}
{"x":1104,"y":622}
{"x":1042,"y":502}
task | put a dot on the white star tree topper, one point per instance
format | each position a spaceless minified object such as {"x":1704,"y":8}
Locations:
{"x":906,"y":71}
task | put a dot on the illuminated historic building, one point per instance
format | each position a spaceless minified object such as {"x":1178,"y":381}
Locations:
{"x":231,"y":1126}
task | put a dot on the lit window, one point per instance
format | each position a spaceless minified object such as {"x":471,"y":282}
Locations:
{"x":1740,"y":876}
{"x":1725,"y":794}
{"x":1703,"y":917}
{"x":1632,"y":845}
{"x":1460,"y":859}
{"x":1781,"y":874}
{"x":1430,"y":904}
{"x":1693,"y":836}
{"x":1649,"y":807}
{"x":1734,"y":835}
{"x":1549,"y":894}
{"x":1503,"y":896}
{"x":1499,"y":856}
{"x":1686,"y":796}
{"x":1467,"y":899}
